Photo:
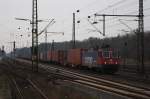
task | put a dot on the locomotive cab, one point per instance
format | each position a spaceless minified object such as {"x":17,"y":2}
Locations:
{"x":108,"y":60}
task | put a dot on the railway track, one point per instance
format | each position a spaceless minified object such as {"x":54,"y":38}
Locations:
{"x":13,"y":74}
{"x":15,"y":89}
{"x":134,"y":69}
{"x":102,"y":84}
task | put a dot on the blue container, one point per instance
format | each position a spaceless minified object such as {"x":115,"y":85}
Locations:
{"x":89,"y":58}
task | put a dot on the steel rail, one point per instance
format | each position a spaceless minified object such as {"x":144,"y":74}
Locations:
{"x":38,"y":89}
{"x":17,"y":87}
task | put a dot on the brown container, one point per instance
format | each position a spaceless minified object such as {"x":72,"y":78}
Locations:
{"x":62,"y":57}
{"x":59,"y":56}
{"x":55,"y":56}
{"x":49,"y":55}
{"x":74,"y":56}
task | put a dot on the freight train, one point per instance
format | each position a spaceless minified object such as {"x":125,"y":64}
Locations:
{"x":104,"y":60}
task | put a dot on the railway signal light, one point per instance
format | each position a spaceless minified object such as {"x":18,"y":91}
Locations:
{"x":78,"y":10}
{"x":78,"y":21}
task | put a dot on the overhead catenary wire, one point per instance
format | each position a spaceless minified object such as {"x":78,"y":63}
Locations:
{"x":108,"y":7}
{"x":122,"y":1}
{"x":113,"y":5}
{"x":116,"y":4}
{"x":88,"y":5}
{"x":115,"y":18}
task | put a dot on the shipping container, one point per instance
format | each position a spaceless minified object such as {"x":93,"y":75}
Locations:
{"x":49,"y":56}
{"x":62,"y":57}
{"x":89,"y":58}
{"x":59,"y":56}
{"x":74,"y":56}
{"x":45,"y":56}
{"x":55,"y":56}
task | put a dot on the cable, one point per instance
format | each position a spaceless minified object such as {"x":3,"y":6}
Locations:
{"x":118,"y":3}
{"x":147,"y":16}
{"x":88,"y":5}
{"x":110,"y":6}
{"x":127,"y":4}
{"x":146,"y":9}
{"x":114,"y":5}
{"x":112,"y":19}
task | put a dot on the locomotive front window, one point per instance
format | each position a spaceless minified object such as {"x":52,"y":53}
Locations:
{"x":106,"y":54}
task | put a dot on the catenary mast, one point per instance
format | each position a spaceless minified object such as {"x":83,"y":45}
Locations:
{"x":34,"y":49}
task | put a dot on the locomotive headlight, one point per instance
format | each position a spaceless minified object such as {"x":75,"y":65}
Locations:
{"x":116,"y":62}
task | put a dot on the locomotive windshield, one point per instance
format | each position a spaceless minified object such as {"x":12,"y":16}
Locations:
{"x":106,"y":54}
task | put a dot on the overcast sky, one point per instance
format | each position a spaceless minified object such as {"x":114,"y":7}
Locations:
{"x":61,"y":11}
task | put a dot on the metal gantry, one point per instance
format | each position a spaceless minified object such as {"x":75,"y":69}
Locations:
{"x":34,"y":48}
